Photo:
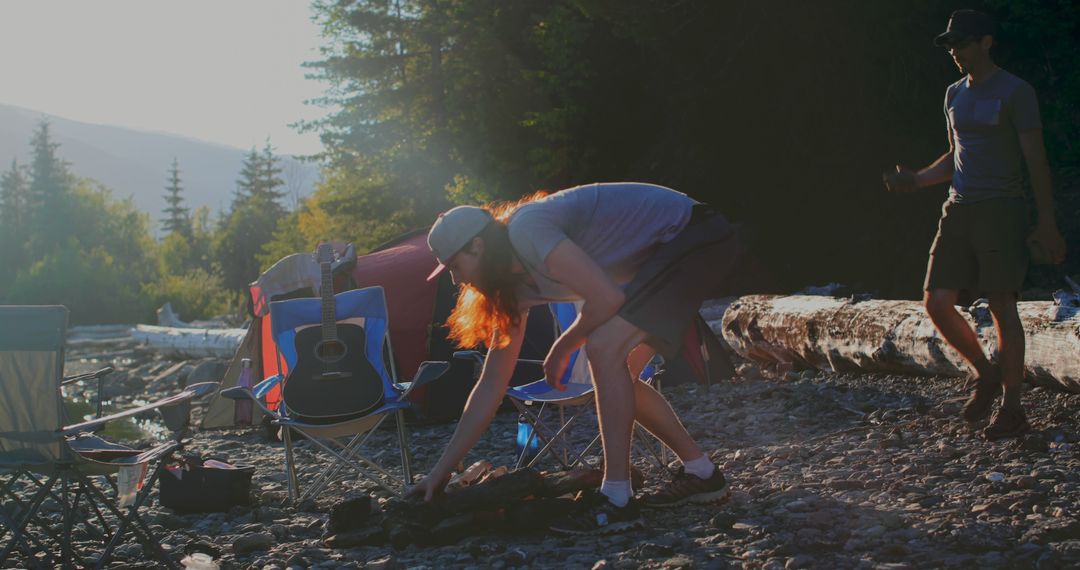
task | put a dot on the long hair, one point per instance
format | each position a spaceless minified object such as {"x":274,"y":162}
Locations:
{"x":488,"y":308}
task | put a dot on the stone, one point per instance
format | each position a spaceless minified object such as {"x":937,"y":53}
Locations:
{"x":252,"y":542}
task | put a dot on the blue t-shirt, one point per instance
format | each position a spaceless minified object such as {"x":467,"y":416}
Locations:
{"x":983,"y":121}
{"x":617,"y":224}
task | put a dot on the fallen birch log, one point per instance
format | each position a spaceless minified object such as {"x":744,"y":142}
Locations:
{"x":189,"y":342}
{"x":98,"y":332}
{"x":829,"y":333}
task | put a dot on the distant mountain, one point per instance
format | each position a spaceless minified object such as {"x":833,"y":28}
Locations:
{"x":136,"y":163}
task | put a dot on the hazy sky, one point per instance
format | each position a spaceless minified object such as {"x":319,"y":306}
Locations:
{"x":225,"y":71}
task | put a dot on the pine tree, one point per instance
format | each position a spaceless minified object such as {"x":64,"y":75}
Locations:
{"x":177,"y":219}
{"x":14,"y":198}
{"x":250,"y":223}
{"x":270,"y":177}
{"x":260,"y":181}
{"x":248,"y":184}
{"x":49,"y":193}
{"x":14,"y":219}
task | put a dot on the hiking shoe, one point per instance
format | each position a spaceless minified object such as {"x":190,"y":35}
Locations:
{"x":1007,"y":422}
{"x":986,"y":392}
{"x":687,"y":488}
{"x":601,"y":517}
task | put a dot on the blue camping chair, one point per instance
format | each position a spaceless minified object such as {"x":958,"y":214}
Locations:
{"x":535,"y":401}
{"x":342,"y":438}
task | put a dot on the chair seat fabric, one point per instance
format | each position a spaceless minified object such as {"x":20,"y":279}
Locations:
{"x":540,"y":391}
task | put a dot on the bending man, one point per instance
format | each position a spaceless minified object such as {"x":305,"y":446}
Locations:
{"x":642,"y":258}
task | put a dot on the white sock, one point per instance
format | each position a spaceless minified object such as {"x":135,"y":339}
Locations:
{"x":702,"y":467}
{"x":618,"y":492}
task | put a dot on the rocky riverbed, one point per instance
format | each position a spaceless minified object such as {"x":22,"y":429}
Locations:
{"x":827,"y":471}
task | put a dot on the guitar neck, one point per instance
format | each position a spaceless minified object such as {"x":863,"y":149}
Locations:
{"x":329,"y":311}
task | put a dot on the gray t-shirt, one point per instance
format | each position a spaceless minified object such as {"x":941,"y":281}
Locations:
{"x":617,"y":224}
{"x":983,"y":122}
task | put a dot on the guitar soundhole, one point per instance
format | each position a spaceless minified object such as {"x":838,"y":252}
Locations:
{"x":330,"y":350}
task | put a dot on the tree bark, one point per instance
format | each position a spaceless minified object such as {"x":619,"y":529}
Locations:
{"x":190,"y":342}
{"x":829,"y":333}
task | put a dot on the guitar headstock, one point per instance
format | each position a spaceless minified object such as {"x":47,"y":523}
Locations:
{"x":324,"y":253}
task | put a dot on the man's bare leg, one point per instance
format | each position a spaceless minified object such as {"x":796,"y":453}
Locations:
{"x":654,"y":412}
{"x":608,"y":349}
{"x":941,"y":306}
{"x":1011,"y":345}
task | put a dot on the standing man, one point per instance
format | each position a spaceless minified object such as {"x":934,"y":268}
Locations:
{"x":994,"y":130}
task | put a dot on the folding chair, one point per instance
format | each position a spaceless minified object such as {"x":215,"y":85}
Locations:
{"x":535,"y":399}
{"x":342,"y":439}
{"x":53,"y":464}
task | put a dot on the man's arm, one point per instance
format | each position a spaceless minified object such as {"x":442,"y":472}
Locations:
{"x":907,"y":180}
{"x":1046,"y":230}
{"x":481,"y":406}
{"x":572,"y":267}
{"x":939,"y":171}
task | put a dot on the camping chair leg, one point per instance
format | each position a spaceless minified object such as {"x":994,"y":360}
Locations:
{"x":664,"y":459}
{"x":359,"y":469}
{"x":556,"y":439}
{"x":533,"y":420}
{"x":562,"y":422}
{"x":645,"y":448}
{"x":588,"y":448}
{"x":151,"y":541}
{"x":139,"y":529}
{"x":352,"y":448}
{"x":66,"y":553}
{"x":92,"y":505}
{"x":355,"y":444}
{"x":559,"y":440}
{"x":403,"y":445}
{"x":20,"y":523}
{"x":290,"y":465}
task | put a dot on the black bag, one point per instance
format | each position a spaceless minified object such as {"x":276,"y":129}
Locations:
{"x":191,"y":484}
{"x":445,"y":397}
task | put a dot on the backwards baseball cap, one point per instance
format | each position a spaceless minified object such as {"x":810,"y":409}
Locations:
{"x":453,"y":230}
{"x":964,"y":24}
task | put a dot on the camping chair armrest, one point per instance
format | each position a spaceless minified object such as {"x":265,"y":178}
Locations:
{"x":255,"y":393}
{"x":151,"y":454}
{"x":474,"y":354}
{"x":268,"y":383}
{"x":429,"y":371}
{"x":189,"y":393}
{"x":87,"y":376}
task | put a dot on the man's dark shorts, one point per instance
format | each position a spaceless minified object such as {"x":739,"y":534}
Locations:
{"x":979,"y":247}
{"x":664,"y":297}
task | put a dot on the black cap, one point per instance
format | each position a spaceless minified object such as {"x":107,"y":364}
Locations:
{"x":964,"y":24}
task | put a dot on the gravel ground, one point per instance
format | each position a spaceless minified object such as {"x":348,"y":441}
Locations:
{"x":827,"y":471}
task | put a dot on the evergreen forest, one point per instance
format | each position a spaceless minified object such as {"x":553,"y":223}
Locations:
{"x":781,"y":114}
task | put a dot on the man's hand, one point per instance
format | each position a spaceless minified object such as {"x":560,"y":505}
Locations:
{"x":429,"y":487}
{"x":902,"y":180}
{"x":558,"y":359}
{"x":1050,"y":241}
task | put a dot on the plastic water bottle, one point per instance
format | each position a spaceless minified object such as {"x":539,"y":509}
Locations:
{"x":242,"y":408}
{"x":199,"y":561}
{"x":526,"y":437}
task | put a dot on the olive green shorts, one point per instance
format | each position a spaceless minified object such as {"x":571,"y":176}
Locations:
{"x":980,"y":247}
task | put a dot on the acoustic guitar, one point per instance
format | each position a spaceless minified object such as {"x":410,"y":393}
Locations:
{"x":332,"y":380}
